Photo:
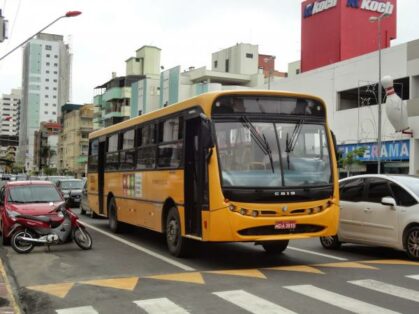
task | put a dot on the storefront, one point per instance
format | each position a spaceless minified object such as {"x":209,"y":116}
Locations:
{"x":394,"y":156}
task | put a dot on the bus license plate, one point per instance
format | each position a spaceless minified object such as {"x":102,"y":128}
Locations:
{"x":292,"y":224}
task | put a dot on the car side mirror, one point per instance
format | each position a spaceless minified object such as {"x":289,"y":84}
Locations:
{"x":388,"y":201}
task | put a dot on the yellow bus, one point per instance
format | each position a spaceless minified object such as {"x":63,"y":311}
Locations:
{"x":225,"y":166}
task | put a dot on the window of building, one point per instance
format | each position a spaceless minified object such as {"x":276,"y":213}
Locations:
{"x":215,"y":64}
{"x":249,"y":55}
{"x":297,"y":71}
{"x":47,"y":55}
{"x":54,"y":105}
{"x":46,"y":80}
{"x":54,"y":113}
{"x":55,"y":64}
{"x":227,"y":64}
{"x":45,"y":112}
{"x":46,"y":87}
{"x":366,"y":94}
{"x":55,"y":80}
{"x":55,"y":56}
{"x":46,"y":104}
{"x":55,"y":72}
{"x":55,"y":88}
{"x":48,"y":47}
{"x":54,"y":96}
{"x":46,"y":96}
{"x":47,"y":71}
{"x":47,"y":63}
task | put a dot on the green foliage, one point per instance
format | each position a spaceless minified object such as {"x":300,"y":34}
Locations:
{"x":50,"y":171}
{"x":351,"y":159}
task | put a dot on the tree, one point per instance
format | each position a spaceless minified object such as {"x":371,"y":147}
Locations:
{"x":351,"y":159}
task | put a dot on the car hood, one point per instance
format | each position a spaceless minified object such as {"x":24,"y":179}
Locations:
{"x":36,"y":209}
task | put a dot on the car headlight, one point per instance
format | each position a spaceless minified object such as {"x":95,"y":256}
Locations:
{"x":12,"y":214}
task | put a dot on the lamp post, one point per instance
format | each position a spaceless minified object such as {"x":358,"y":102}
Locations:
{"x":68,"y":14}
{"x":378,"y":19}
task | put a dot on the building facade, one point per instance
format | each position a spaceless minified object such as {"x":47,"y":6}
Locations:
{"x":74,"y":140}
{"x":46,"y":79}
{"x":9,"y":123}
{"x":46,"y":146}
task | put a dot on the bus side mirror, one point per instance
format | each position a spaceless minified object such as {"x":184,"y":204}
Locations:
{"x":207,"y":136}
{"x":335,"y":147}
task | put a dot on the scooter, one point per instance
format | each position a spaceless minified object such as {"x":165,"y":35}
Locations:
{"x":30,"y":231}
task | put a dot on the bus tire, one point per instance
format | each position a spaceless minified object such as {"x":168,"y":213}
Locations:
{"x":178,"y":246}
{"x":275,"y":247}
{"x":114,"y":225}
{"x":330,"y":242}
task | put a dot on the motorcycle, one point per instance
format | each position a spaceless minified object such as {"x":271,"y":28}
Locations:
{"x":30,"y":231}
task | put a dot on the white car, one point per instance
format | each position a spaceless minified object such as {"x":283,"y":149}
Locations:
{"x":380,"y":210}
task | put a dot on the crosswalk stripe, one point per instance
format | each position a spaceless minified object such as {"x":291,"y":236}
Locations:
{"x":252,"y":303}
{"x":78,"y":310}
{"x":408,"y":294}
{"x":338,"y":300}
{"x":413,"y":277}
{"x":160,"y":305}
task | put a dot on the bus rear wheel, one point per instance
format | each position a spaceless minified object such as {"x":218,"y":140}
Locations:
{"x":178,"y":246}
{"x":275,"y":247}
{"x":114,"y":225}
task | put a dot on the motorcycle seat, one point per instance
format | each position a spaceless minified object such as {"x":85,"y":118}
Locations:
{"x":38,"y":218}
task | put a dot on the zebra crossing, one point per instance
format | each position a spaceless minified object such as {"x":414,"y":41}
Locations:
{"x":252,"y":302}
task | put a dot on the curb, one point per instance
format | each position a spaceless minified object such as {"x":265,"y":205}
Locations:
{"x":8,"y":303}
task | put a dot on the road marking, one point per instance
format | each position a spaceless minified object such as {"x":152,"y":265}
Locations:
{"x":142,"y":249}
{"x":240,"y":272}
{"x":392,"y":262}
{"x":78,"y":310}
{"x":195,"y":277}
{"x":298,"y":268}
{"x":338,"y":300}
{"x":346,"y":265}
{"x":404,"y":293}
{"x":252,"y":303}
{"x":317,"y":253}
{"x":160,"y":305}
{"x":128,"y":283}
{"x":413,"y":277}
{"x":59,"y":290}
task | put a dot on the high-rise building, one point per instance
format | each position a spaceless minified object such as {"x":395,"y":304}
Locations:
{"x":45,"y":88}
{"x":9,"y":120}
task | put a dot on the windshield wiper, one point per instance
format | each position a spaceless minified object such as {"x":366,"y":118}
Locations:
{"x":260,"y":140}
{"x":290,"y":143}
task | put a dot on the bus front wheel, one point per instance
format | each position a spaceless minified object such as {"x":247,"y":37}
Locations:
{"x":114,"y":225}
{"x":177,"y":245}
{"x":275,"y":247}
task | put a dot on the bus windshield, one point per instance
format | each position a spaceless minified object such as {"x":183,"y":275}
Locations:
{"x":273,"y":154}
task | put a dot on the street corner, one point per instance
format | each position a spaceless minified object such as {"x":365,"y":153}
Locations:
{"x":7,"y":301}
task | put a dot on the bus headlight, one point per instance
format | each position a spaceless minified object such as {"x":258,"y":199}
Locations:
{"x":232,"y":207}
{"x":243,"y":211}
{"x":255,"y":213}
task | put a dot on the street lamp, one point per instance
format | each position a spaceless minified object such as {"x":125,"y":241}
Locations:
{"x":378,"y":19}
{"x":68,"y":14}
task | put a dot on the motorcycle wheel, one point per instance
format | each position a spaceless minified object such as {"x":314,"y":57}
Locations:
{"x":83,"y":239}
{"x":21,"y":246}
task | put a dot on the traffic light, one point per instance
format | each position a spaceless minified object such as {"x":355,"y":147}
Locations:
{"x":3,"y":28}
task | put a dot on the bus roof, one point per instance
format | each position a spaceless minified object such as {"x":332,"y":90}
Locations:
{"x":204,"y":100}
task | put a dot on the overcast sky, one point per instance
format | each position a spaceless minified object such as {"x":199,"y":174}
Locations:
{"x":188,"y":31}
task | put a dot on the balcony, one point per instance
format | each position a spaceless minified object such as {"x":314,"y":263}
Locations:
{"x":98,"y":100}
{"x":117,"y":93}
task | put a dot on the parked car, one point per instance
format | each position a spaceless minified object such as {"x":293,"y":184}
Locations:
{"x":381,"y":210}
{"x":72,"y":190}
{"x":26,"y":197}
{"x":55,"y":179}
{"x":84,"y":204}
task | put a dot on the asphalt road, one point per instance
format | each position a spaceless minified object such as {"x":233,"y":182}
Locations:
{"x":133,"y":273}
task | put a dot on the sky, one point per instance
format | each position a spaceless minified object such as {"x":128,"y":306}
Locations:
{"x":188,"y":31}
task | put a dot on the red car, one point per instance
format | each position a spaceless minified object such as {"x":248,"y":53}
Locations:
{"x":27,"y":197}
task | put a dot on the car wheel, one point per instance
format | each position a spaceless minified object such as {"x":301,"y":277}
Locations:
{"x":275,"y":247}
{"x":178,"y":246}
{"x":330,"y":242}
{"x":412,"y":243}
{"x":114,"y":224}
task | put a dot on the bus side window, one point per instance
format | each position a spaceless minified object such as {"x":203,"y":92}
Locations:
{"x":112,"y":154}
{"x":170,"y":146}
{"x":146,"y":148}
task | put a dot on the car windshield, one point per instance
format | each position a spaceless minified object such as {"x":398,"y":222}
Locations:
{"x":266,"y":154}
{"x":33,"y":194}
{"x":72,"y":185}
{"x":410,"y":182}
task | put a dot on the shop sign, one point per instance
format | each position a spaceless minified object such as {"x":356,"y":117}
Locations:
{"x":390,"y":151}
{"x":318,"y":6}
{"x":372,"y":5}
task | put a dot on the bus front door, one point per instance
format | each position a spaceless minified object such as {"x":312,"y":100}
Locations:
{"x":101,"y":173}
{"x":196,"y":177}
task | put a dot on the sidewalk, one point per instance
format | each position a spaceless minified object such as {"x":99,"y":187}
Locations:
{"x":7,"y":300}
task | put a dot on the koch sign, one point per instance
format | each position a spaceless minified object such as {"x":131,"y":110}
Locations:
{"x":372,"y":5}
{"x":390,"y":151}
{"x":378,"y":6}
